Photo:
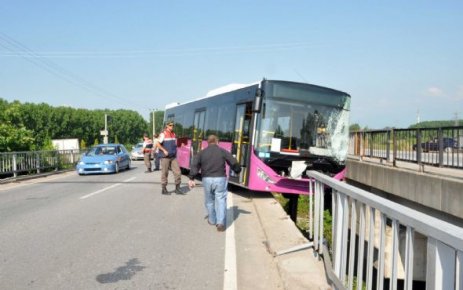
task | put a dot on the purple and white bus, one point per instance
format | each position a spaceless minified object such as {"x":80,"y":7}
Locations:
{"x":276,"y":129}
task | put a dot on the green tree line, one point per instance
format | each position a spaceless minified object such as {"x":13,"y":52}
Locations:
{"x":437,"y":124}
{"x":29,"y":126}
{"x":425,"y":124}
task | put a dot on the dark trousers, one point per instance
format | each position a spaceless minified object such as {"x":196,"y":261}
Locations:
{"x":156,"y":161}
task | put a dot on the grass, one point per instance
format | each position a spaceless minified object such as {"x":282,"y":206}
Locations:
{"x":302,"y":221}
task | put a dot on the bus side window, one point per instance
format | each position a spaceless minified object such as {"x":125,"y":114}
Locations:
{"x":225,"y":121}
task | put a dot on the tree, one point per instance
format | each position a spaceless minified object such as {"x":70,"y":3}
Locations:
{"x":158,"y":121}
{"x":15,"y":139}
{"x":83,"y":145}
{"x":434,"y":124}
{"x":354,"y":127}
{"x":14,"y":136}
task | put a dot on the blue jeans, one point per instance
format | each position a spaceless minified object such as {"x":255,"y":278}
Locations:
{"x":215,"y":193}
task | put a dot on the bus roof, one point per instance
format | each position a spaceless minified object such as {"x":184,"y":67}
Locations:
{"x":215,"y":92}
{"x":236,"y":86}
{"x":228,"y":88}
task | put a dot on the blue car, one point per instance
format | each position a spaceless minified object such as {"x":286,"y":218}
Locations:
{"x":104,"y":158}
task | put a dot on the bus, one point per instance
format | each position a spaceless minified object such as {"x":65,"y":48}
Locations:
{"x":277,"y":130}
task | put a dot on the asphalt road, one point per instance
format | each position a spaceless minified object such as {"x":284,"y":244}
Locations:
{"x":107,"y":232}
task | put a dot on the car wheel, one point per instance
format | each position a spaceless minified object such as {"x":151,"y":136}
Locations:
{"x":116,"y":170}
{"x":128,"y":165}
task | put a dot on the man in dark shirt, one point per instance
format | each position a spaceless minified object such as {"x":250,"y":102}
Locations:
{"x":211,"y":161}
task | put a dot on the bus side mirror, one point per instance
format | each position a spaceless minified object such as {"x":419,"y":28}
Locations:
{"x":258,"y":101}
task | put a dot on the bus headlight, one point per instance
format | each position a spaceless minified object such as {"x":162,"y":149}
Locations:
{"x":264,"y":176}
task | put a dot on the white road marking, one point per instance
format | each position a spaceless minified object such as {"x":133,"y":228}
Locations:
{"x":106,"y":188}
{"x":229,"y":279}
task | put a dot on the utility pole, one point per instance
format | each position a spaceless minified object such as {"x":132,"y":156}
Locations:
{"x":105,"y":133}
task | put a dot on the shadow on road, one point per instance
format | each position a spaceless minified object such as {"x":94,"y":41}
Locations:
{"x":125,"y":272}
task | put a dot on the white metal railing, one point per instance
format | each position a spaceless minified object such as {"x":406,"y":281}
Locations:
{"x":365,"y":227}
{"x":440,"y":147}
{"x":13,"y":164}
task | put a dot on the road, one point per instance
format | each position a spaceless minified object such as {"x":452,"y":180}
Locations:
{"x":118,"y":232}
{"x":106,"y":232}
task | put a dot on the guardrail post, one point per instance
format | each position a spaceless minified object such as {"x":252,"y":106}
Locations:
{"x":441,"y":147}
{"x":357,"y":143}
{"x":439,"y":273}
{"x":394,"y":147}
{"x":418,"y":147}
{"x":57,"y":159}
{"x":37,"y":162}
{"x":362,"y":144}
{"x":370,"y":140}
{"x":388,"y":145}
{"x":15,"y":166}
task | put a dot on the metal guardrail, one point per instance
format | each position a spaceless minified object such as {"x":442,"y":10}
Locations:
{"x":441,"y":147}
{"x":14,"y":164}
{"x":360,"y":218}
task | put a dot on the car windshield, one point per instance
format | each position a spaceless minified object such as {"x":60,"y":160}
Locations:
{"x":102,"y":150}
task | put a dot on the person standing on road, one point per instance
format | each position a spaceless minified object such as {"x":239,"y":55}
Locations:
{"x":167,"y":152}
{"x":211,"y":161}
{"x":146,"y":149}
{"x":156,"y":151}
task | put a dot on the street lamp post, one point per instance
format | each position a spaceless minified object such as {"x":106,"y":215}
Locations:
{"x":154,"y":121}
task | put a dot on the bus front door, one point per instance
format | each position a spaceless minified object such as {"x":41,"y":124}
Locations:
{"x":241,"y":138}
{"x":198,"y":134}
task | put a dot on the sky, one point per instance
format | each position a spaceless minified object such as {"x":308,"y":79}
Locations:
{"x":401,"y":61}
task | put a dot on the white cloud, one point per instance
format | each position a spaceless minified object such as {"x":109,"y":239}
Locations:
{"x":434,"y":92}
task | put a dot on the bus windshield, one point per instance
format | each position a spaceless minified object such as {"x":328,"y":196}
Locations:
{"x":289,"y":126}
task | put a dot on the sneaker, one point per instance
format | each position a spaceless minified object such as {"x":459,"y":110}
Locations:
{"x":220,"y":228}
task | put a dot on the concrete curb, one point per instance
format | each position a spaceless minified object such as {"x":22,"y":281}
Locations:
{"x":299,"y":269}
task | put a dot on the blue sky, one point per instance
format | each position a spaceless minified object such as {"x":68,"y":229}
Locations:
{"x":395,"y":58}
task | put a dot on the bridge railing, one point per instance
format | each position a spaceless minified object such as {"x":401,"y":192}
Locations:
{"x":365,"y":227}
{"x":441,"y":147}
{"x":13,"y":164}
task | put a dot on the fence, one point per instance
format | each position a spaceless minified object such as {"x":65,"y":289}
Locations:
{"x":13,"y":164}
{"x":442,"y":147}
{"x":360,"y":218}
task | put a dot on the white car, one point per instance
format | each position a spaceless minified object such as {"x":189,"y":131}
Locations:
{"x":136,"y":153}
